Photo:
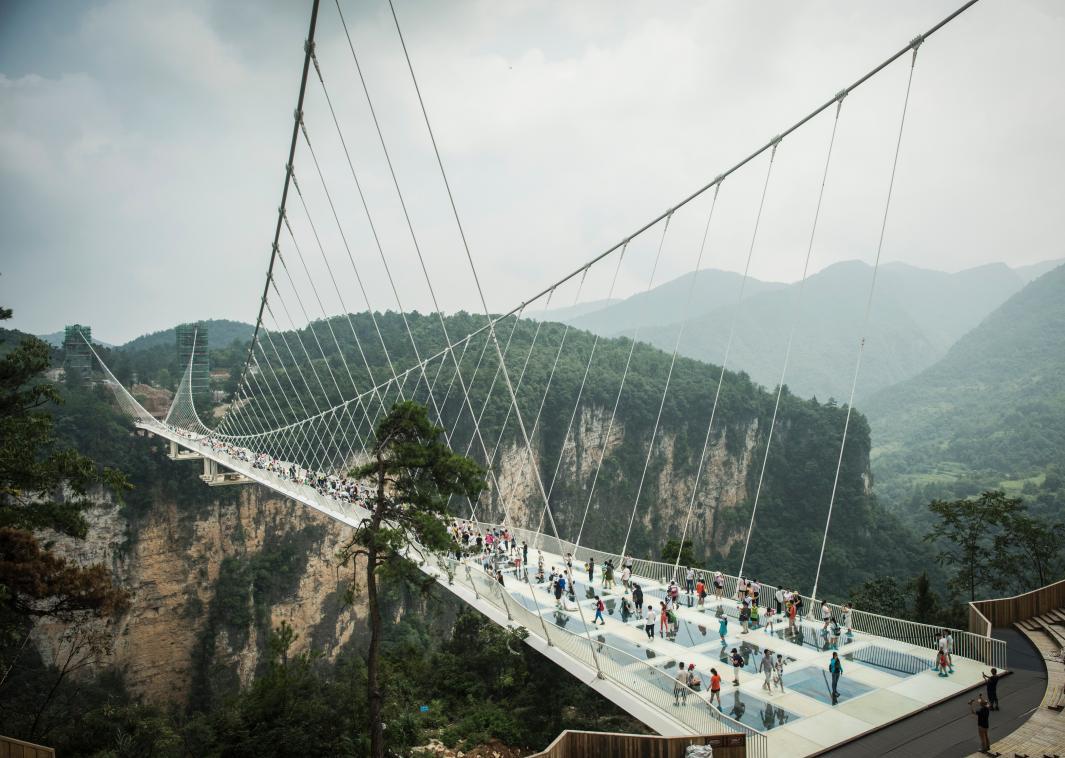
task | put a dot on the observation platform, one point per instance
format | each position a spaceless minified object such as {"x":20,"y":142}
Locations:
{"x":887,"y":663}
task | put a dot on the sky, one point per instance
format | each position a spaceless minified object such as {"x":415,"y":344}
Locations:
{"x":143,"y":143}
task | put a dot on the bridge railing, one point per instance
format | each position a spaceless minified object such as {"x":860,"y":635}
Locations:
{"x":967,"y":644}
{"x":648,"y":683}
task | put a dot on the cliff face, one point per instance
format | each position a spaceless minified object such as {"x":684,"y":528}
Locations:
{"x":206,"y":586}
{"x":666,"y":493}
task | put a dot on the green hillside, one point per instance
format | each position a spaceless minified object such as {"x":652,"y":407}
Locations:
{"x":798,"y":477}
{"x":990,"y":413}
{"x":222,"y":333}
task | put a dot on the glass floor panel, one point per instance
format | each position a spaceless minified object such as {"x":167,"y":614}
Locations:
{"x":753,"y":711}
{"x":638,"y":650}
{"x":818,"y":639}
{"x":746,"y":708}
{"x":752,"y":658}
{"x":551,"y":614}
{"x":817,"y":683}
{"x":889,"y":661}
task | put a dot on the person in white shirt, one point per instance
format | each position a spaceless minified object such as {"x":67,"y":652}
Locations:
{"x":649,"y":622}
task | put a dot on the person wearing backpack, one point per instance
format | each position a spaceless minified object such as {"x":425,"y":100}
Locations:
{"x":737,"y":664}
{"x":599,"y":608}
{"x":835,"y":667}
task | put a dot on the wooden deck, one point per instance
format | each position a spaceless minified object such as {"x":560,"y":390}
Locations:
{"x":12,"y":748}
{"x":1044,"y":733}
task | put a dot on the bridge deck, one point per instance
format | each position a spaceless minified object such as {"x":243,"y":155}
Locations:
{"x":883,"y":679}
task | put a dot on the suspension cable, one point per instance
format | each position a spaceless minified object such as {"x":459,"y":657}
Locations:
{"x":791,"y":335}
{"x":728,"y":348}
{"x":914,"y":45}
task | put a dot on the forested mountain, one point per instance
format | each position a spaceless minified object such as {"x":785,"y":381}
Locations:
{"x":917,"y":315}
{"x":221,"y":332}
{"x":798,"y":478}
{"x":991,"y":412}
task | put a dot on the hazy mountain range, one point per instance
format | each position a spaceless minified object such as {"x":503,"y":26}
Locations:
{"x":917,"y":315}
{"x":989,"y":412}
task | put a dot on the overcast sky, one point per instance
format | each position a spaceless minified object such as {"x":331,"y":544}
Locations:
{"x":142,"y":146}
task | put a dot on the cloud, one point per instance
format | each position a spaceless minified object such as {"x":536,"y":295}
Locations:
{"x":142,"y":149}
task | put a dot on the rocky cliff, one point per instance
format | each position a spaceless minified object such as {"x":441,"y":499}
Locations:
{"x":207,"y":583}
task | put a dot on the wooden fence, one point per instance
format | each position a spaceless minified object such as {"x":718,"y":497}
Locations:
{"x":12,"y":748}
{"x":572,"y":744}
{"x":1004,"y":611}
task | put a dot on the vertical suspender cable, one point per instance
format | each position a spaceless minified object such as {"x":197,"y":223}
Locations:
{"x":728,"y":349}
{"x":791,"y":335}
{"x":915,"y":44}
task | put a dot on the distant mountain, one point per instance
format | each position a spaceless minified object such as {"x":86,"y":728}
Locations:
{"x":665,"y":303}
{"x":992,"y":410}
{"x":917,"y":315}
{"x":55,"y":339}
{"x":1036,"y":270}
{"x":570,"y":312}
{"x":220,"y":333}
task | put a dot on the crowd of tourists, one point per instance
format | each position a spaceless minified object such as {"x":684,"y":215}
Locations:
{"x":339,"y":487}
{"x":500,"y":553}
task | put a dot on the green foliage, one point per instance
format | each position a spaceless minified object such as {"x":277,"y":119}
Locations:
{"x":912,"y":599}
{"x":672,"y":549}
{"x":415,"y":474}
{"x":991,"y":543}
{"x":44,"y":485}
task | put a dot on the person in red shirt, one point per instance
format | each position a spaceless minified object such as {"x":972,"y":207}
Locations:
{"x":715,"y":688}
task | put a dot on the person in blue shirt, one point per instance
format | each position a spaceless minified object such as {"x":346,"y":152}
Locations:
{"x":722,"y":629}
{"x":835,"y":667}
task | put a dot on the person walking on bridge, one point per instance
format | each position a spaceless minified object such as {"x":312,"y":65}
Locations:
{"x":591,"y":569}
{"x":715,"y":688}
{"x":649,"y":622}
{"x":835,"y":667}
{"x":767,"y":669}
